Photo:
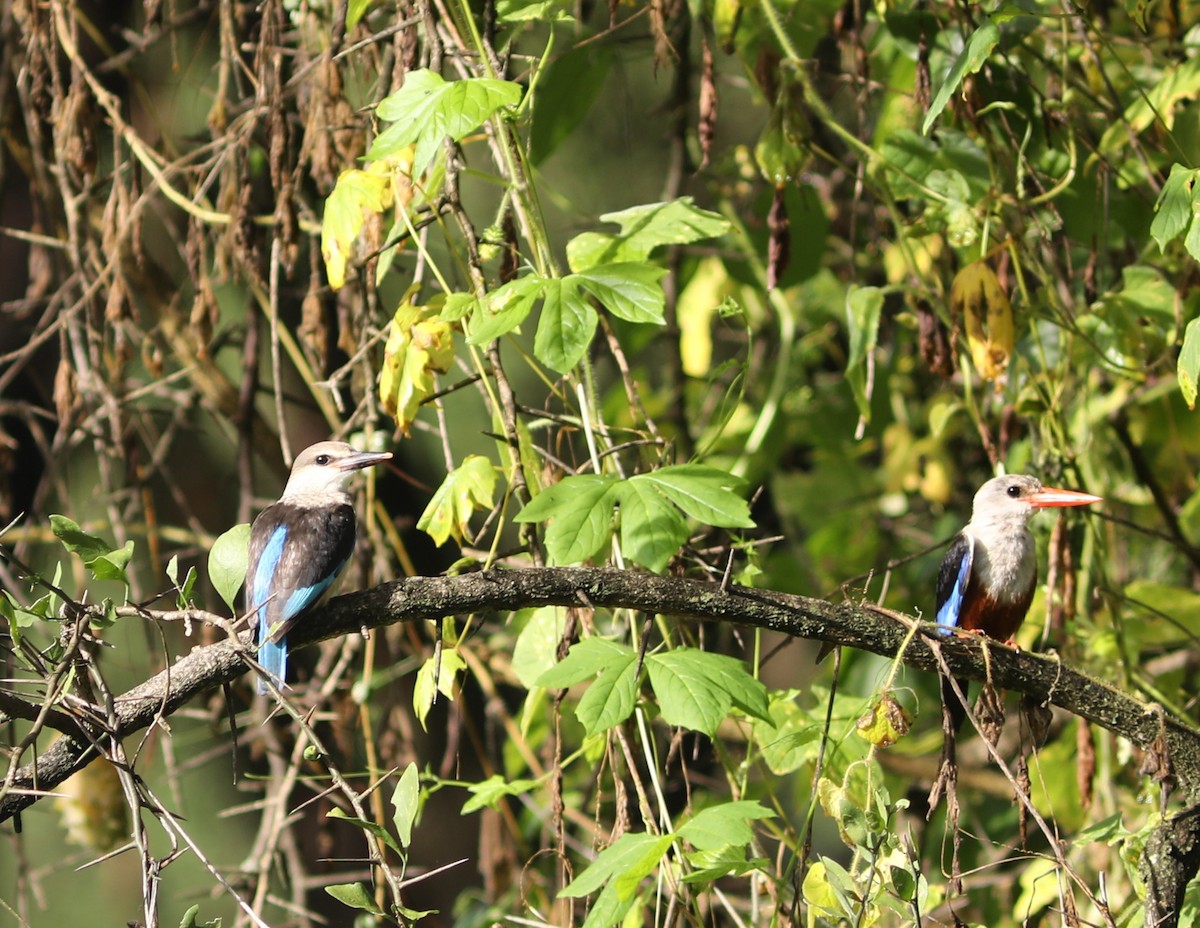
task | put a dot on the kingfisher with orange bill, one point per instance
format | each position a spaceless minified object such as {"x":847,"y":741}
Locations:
{"x":987,"y":579}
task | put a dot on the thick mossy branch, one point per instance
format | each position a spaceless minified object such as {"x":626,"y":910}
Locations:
{"x":869,"y":629}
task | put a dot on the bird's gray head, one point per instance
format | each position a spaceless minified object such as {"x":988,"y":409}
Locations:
{"x":1016,"y":497}
{"x":322,"y":471}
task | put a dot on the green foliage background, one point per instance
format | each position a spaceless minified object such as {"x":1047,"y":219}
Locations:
{"x":751,"y":292}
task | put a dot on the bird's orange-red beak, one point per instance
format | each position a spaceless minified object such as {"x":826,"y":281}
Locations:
{"x":1052,"y":496}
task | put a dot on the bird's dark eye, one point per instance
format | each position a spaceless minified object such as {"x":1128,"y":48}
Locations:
{"x":1014,"y":491}
{"x":322,"y":459}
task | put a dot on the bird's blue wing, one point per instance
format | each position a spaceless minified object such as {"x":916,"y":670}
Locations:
{"x":953,"y":577}
{"x":296,"y":553}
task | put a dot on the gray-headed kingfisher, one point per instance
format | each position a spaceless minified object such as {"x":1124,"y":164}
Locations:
{"x":987,"y":579}
{"x":300,"y":544}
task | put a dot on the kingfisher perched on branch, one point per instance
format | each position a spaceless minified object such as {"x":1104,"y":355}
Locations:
{"x":300,"y":544}
{"x":987,"y":579}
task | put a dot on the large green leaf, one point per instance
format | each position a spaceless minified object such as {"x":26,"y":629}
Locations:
{"x":1176,"y":205}
{"x":977,"y":50}
{"x":630,"y":291}
{"x":703,"y":493}
{"x":652,"y":529}
{"x":632,"y":856}
{"x":696,"y":689}
{"x":585,"y":659}
{"x":611,"y":697}
{"x":505,"y":308}
{"x":567,"y":325}
{"x":428,"y":108}
{"x":723,"y":825}
{"x":227,"y":562}
{"x":644,"y":228}
{"x":579,"y":512}
{"x":1188,"y":369}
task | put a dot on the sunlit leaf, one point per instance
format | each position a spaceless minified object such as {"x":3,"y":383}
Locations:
{"x":1188,"y":369}
{"x":468,"y":488}
{"x":1176,"y":205}
{"x":356,"y":195}
{"x":579,"y":514}
{"x":633,"y":856}
{"x":643,"y":229}
{"x":723,"y":825}
{"x":630,"y":291}
{"x":585,"y":659}
{"x":566,"y":327}
{"x":354,"y":895}
{"x":428,"y":108}
{"x":537,"y":644}
{"x":884,"y":723}
{"x":652,"y":529}
{"x":406,"y":801}
{"x":419,"y":345}
{"x":436,"y":677}
{"x":703,"y":492}
{"x":227,"y":562}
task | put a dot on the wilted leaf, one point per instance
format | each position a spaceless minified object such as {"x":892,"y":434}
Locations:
{"x":357,"y":195}
{"x":885,"y":723}
{"x":976,"y":296}
{"x":419,"y":344}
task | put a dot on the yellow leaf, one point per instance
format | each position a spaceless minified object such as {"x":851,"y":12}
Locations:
{"x":695,"y":308}
{"x":419,"y":344}
{"x":357,"y":195}
{"x":92,"y":808}
{"x":987,"y":315}
{"x":885,"y":723}
{"x":470,"y":486}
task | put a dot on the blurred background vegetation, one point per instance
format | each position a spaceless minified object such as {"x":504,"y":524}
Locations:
{"x":923,"y":242}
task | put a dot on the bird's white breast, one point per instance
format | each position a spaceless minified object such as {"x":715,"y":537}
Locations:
{"x":1004,"y":560}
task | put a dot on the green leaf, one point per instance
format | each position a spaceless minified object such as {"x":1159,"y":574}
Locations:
{"x":611,"y":699}
{"x":76,"y":540}
{"x":585,"y":659}
{"x":696,"y":689}
{"x":724,"y":825}
{"x":788,"y":741}
{"x":489,"y":792}
{"x":1189,"y":363}
{"x":505,"y":308}
{"x":406,"y":801}
{"x":703,"y":493}
{"x":566,"y":327}
{"x":227,"y":562}
{"x":373,"y":828}
{"x":537,"y":644}
{"x":652,"y":530}
{"x":644,"y":228}
{"x":864,"y":305}
{"x":428,"y":108}
{"x":469,"y":487}
{"x":579,"y":511}
{"x":1176,"y":202}
{"x":111,"y":566}
{"x":565,"y":93}
{"x":632,"y":858}
{"x":436,"y":676}
{"x":355,"y":10}
{"x":539,"y":11}
{"x":977,"y":50}
{"x":354,"y":895}
{"x":191,"y":919}
{"x":630,"y":291}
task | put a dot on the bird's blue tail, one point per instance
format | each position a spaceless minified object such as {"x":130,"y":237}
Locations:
{"x":272,"y":655}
